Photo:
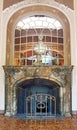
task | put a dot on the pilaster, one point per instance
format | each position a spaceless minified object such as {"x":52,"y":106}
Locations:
{"x":1,"y":59}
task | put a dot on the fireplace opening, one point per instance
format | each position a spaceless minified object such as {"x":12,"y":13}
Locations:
{"x":38,"y":97}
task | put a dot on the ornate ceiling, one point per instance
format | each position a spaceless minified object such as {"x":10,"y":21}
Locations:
{"x":68,"y":3}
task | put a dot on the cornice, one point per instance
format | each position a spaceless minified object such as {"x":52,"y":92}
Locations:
{"x":27,"y":3}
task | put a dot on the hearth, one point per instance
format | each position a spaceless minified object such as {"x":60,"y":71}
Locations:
{"x":37,"y":91}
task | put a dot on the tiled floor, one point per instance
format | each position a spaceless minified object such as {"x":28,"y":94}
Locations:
{"x":7,"y":123}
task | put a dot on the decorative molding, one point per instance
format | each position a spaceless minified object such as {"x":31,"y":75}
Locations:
{"x":12,"y":9}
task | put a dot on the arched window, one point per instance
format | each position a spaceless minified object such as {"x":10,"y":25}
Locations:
{"x":38,"y":40}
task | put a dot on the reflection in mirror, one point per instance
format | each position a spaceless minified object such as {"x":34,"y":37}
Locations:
{"x":38,"y":40}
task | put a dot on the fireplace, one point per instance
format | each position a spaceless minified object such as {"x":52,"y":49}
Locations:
{"x":37,"y":91}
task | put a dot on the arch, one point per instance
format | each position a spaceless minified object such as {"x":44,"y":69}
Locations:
{"x":34,"y":88}
{"x":30,"y":80}
{"x":34,"y":10}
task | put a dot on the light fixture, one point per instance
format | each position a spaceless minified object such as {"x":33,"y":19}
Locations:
{"x":40,"y":47}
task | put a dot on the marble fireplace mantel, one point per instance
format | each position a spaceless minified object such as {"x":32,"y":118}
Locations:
{"x":17,"y":74}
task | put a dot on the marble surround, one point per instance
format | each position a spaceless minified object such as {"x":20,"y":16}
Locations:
{"x":17,"y":74}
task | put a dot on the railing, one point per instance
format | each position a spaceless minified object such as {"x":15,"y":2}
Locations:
{"x":43,"y":105}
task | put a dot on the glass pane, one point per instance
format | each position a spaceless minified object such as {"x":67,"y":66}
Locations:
{"x":60,"y":40}
{"x":23,"y":32}
{"x":17,"y":47}
{"x":17,"y":40}
{"x":17,"y":33}
{"x":60,"y":32}
{"x":54,"y":39}
{"x":60,"y":47}
{"x":23,"y":39}
{"x":23,"y":47}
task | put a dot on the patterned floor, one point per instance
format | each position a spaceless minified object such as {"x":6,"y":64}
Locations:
{"x":7,"y":123}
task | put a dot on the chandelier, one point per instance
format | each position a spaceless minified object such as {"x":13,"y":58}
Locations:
{"x":40,"y":47}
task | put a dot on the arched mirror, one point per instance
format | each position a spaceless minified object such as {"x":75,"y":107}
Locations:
{"x":38,"y":40}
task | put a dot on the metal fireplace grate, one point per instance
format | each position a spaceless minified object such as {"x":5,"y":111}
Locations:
{"x":40,"y":105}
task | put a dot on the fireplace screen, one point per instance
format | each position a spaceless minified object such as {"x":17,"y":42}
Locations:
{"x":40,"y":105}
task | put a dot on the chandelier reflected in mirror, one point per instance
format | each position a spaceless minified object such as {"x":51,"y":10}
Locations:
{"x":38,"y":41}
{"x":40,"y":47}
{"x":43,"y":53}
